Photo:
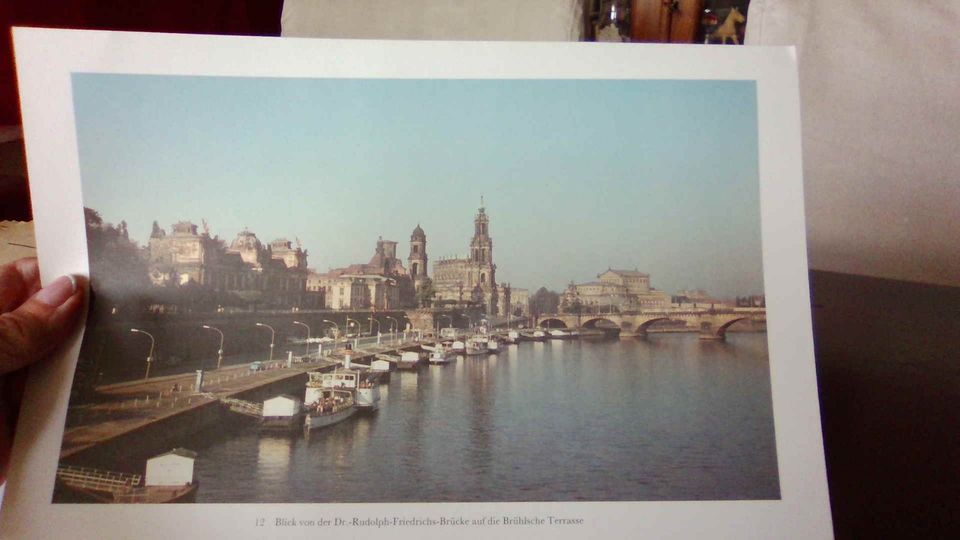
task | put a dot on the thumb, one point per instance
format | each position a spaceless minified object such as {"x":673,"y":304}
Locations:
{"x":41,"y":324}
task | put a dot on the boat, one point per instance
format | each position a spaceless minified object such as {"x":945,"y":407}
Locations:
{"x":408,"y":360}
{"x":458,"y":347}
{"x":331,"y":407}
{"x":364,"y":386}
{"x":512,"y":337}
{"x":438,"y":355}
{"x":536,"y":335}
{"x":169,"y":478}
{"x":493,"y":345}
{"x":556,"y":333}
{"x":476,"y":345}
{"x":281,"y":413}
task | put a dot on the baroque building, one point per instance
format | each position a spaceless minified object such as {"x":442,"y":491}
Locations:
{"x":616,"y":290}
{"x":251,"y":272}
{"x":472,"y":279}
{"x":381,"y":283}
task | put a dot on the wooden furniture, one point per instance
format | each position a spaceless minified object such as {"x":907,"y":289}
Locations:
{"x":665,"y":21}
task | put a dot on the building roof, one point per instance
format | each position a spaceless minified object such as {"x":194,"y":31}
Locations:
{"x":418,"y":233}
{"x":182,"y":452}
{"x":630,"y":273}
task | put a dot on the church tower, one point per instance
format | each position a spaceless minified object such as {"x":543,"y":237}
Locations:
{"x":481,"y":247}
{"x":418,"y":256}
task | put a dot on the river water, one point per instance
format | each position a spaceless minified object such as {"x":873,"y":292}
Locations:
{"x":667,"y":418}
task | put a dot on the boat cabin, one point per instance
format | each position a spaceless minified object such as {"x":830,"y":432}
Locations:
{"x":174,"y":468}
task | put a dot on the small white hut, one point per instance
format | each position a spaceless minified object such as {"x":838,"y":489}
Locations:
{"x":174,"y":468}
{"x":282,"y":405}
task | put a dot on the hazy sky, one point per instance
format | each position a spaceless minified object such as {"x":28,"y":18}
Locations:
{"x":577,"y":176}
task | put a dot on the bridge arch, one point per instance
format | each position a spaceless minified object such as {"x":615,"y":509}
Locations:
{"x":709,"y":331}
{"x":593,"y":323}
{"x":552,"y":322}
{"x":642,"y":326}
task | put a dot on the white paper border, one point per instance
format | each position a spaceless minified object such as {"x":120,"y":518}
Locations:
{"x":45,"y":60}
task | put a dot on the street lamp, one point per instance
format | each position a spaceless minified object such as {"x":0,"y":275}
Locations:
{"x":356,"y":322}
{"x":273,"y":334}
{"x":220,"y":350}
{"x":396,"y":325}
{"x":152,"y":343}
{"x":335,"y":326}
{"x":308,"y":333}
{"x":372,"y":320}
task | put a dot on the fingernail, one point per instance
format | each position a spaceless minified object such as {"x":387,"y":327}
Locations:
{"x":57,"y":292}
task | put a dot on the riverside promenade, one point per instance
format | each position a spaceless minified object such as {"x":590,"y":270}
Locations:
{"x":129,"y":415}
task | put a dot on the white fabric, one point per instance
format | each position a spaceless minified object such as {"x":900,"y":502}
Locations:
{"x":499,"y":20}
{"x":880,"y":94}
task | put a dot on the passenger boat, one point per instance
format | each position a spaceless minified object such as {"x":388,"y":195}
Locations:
{"x":476,"y":346}
{"x":439,"y":355}
{"x":332,"y":406}
{"x":363,"y":386}
{"x":458,"y":347}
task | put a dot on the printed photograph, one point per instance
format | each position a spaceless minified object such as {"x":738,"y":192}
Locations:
{"x":419,"y":290}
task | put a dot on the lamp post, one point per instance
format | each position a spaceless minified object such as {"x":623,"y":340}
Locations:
{"x":335,"y":326}
{"x":273,"y":334}
{"x":149,"y":356}
{"x":308,"y":333}
{"x":356,"y":322}
{"x":220,"y":350}
{"x":372,"y":320}
{"x":396,"y":325}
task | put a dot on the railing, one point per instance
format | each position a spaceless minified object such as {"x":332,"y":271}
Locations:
{"x":96,"y":479}
{"x":248,"y":408}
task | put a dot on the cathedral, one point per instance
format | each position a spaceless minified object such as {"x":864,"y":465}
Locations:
{"x":473,"y":278}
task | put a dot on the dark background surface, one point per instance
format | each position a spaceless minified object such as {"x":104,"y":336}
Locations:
{"x":887,"y":351}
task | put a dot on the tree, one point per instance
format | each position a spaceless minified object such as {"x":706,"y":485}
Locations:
{"x":118,"y":271}
{"x":426,"y":293}
{"x":544,"y":301}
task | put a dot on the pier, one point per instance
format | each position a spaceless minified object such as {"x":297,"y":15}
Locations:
{"x":148,"y":414}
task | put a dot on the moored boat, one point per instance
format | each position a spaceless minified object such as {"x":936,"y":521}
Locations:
{"x":476,"y":345}
{"x":408,"y":360}
{"x":331,"y":407}
{"x":281,"y":413}
{"x":439,"y":355}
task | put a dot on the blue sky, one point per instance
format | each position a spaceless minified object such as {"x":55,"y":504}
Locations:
{"x":577,"y":176}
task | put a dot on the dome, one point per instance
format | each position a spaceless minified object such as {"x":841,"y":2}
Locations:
{"x":418,"y":234}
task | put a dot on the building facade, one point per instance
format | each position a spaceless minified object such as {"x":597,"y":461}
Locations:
{"x":381,"y":283}
{"x":274,"y":275}
{"x":471,"y":279}
{"x":615,"y":290}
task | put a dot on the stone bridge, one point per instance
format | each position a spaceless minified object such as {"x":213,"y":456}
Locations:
{"x":712,"y":323}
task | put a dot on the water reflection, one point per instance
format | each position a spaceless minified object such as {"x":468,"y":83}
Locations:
{"x":667,"y":418}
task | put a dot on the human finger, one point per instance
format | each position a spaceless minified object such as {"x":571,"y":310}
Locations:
{"x":18,"y":281}
{"x":41,"y":323}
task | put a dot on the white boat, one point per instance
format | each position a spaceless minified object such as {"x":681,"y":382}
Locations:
{"x":438,"y":355}
{"x":493,"y":345}
{"x":513,"y":336}
{"x":458,"y":347}
{"x":476,"y":346}
{"x":559,"y":334}
{"x":408,"y":360}
{"x":331,"y":407}
{"x":363,"y":387}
